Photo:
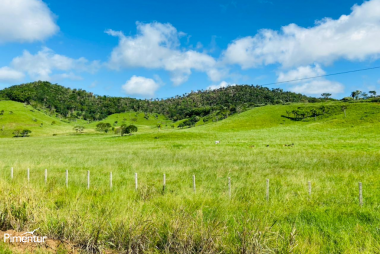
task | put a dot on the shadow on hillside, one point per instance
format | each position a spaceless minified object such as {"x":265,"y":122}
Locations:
{"x":292,"y":118}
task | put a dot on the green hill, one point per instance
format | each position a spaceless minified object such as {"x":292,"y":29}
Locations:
{"x":17,"y":115}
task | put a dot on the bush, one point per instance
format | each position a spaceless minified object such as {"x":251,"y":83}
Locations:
{"x":347,"y":99}
{"x":278,"y":102}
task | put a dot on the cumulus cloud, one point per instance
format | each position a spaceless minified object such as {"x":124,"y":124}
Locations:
{"x":353,"y":37}
{"x":222,"y":84}
{"x":43,"y":63}
{"x":9,"y":75}
{"x":157,"y":46}
{"x":25,"y":21}
{"x":141,"y":86}
{"x":315,"y":87}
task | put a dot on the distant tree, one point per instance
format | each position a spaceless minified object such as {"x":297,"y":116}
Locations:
{"x":159,"y":126}
{"x":1,"y":112}
{"x":356,"y":94}
{"x":26,"y":132}
{"x":128,"y":129}
{"x":347,"y":99}
{"x":314,"y":113}
{"x":131,"y":128}
{"x":326,"y":95}
{"x":10,"y":112}
{"x":52,"y":123}
{"x":79,"y":128}
{"x":364,"y":95}
{"x":103,"y":127}
{"x":17,"y":132}
{"x":373,"y":93}
{"x":181,"y":125}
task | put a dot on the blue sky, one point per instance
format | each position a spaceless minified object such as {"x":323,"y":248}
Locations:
{"x":161,"y":49}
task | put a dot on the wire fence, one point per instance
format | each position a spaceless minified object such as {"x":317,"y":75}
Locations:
{"x":361,"y":194}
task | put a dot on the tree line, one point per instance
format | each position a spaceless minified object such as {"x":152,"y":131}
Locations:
{"x":79,"y":104}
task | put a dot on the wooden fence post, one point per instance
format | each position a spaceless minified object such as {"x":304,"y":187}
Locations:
{"x":163,"y":187}
{"x":28,"y":175}
{"x":194,"y":187}
{"x":309,"y":183}
{"x":88,"y":179}
{"x":229,"y":186}
{"x":267,"y":194}
{"x":136,"y":181}
{"x":110,"y":180}
{"x":67,"y":178}
{"x":360,"y":194}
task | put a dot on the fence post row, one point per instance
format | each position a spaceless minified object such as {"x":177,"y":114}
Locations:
{"x":194,"y":184}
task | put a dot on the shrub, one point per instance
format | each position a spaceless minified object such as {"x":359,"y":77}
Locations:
{"x":347,"y":99}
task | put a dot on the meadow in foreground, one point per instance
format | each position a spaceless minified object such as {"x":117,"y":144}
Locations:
{"x":333,"y":153}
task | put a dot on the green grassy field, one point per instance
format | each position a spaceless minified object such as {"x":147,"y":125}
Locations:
{"x":334,"y":153}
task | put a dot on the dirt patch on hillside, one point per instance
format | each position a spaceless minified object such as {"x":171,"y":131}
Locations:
{"x":49,"y":245}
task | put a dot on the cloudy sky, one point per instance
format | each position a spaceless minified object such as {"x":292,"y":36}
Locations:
{"x":159,"y":49}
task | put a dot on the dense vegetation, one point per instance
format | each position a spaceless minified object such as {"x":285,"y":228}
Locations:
{"x":79,"y":104}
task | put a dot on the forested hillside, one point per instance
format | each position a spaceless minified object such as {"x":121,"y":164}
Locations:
{"x":77,"y":103}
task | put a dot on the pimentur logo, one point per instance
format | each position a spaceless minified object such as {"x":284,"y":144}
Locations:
{"x":27,"y":237}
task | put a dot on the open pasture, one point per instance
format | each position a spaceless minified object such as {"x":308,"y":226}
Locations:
{"x":333,"y":153}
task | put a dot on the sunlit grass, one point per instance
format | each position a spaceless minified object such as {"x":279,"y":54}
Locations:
{"x":333,"y":153}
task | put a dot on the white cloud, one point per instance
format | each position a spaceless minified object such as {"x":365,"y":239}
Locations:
{"x":156,"y":46}
{"x":25,"y":21}
{"x":301,"y":73}
{"x":222,"y":84}
{"x":315,"y":86}
{"x":142,"y":86}
{"x":9,"y":75}
{"x":354,"y":37}
{"x":318,"y":87}
{"x":43,"y":63}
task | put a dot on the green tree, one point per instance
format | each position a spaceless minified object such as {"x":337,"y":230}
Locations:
{"x":26,"y":132}
{"x":326,"y":95}
{"x":17,"y":132}
{"x":103,"y":127}
{"x":373,"y":93}
{"x":79,"y":128}
{"x":356,"y":94}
